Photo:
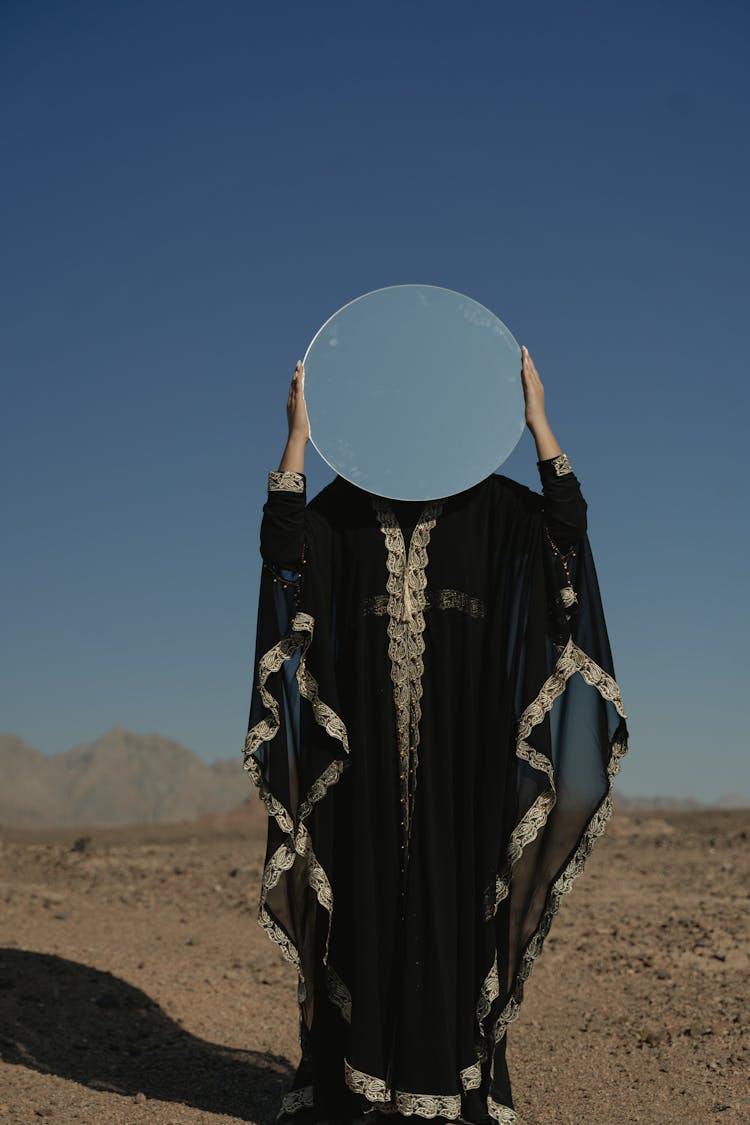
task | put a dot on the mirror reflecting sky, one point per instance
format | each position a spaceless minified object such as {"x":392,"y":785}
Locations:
{"x":414,"y":392}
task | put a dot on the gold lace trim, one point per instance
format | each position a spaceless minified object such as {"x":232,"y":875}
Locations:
{"x":406,"y":603}
{"x":439,"y":599}
{"x":374,"y":1089}
{"x":571,"y":660}
{"x":568,"y":596}
{"x":298,"y":842}
{"x":377,"y":605}
{"x":561,"y":465}
{"x":502,"y":1113}
{"x":298,"y":639}
{"x":331,"y":723}
{"x":317,"y":790}
{"x":457,"y":599}
{"x":488,"y":994}
{"x":423,"y":1105}
{"x":377,"y":1093}
{"x":296,"y":1100}
{"x":471,"y":1077}
{"x":286,"y":482}
{"x":281,"y":860}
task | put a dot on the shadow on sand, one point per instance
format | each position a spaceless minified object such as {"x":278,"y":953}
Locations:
{"x":60,"y":1017}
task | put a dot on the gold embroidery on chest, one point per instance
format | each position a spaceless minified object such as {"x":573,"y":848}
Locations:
{"x":377,"y":605}
{"x":406,"y":603}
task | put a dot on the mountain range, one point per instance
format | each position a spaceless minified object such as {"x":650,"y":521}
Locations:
{"x":120,"y":778}
{"x":126,"y":778}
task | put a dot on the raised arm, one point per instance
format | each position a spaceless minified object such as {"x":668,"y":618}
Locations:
{"x":282,"y":529}
{"x":293,"y":457}
{"x":564,"y":506}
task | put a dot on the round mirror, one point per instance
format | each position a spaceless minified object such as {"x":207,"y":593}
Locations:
{"x":414,"y":392}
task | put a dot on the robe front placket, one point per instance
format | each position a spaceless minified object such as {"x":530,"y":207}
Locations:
{"x":406,"y":585}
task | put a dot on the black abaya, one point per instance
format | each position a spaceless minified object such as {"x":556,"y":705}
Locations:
{"x":434,"y":730}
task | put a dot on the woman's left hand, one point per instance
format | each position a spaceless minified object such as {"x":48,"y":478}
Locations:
{"x":533,"y":390}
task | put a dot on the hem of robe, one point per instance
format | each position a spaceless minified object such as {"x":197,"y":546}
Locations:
{"x":298,"y":1106}
{"x":571,"y":660}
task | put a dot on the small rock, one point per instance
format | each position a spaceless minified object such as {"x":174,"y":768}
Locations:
{"x":139,"y":1098}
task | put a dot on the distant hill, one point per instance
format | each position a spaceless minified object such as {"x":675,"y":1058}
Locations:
{"x":27,"y":794}
{"x":120,"y":778}
{"x":628,"y":803}
{"x":124,"y":778}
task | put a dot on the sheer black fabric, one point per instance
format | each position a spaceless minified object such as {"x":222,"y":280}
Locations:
{"x":434,"y":729}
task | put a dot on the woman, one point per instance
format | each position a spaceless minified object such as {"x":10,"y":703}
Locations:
{"x":434,"y":730}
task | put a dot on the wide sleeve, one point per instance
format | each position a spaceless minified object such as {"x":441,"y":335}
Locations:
{"x":570,"y":723}
{"x":297,"y":743}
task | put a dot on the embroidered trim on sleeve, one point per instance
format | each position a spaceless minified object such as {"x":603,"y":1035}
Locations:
{"x":471,"y":1077}
{"x":297,"y":845}
{"x":572,"y":659}
{"x":296,"y":1100}
{"x":286,"y":482}
{"x":561,"y":464}
{"x":501,"y":1113}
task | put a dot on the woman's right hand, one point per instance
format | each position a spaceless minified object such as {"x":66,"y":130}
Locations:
{"x":296,"y":407}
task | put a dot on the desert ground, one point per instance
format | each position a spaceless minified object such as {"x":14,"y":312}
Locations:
{"x":136,"y":985}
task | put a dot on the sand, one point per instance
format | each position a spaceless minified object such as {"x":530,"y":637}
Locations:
{"x":136,"y":985}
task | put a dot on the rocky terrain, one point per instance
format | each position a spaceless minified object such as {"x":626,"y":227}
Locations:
{"x":136,"y":986}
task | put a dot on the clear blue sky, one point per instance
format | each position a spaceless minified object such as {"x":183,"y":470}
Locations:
{"x":190,"y":189}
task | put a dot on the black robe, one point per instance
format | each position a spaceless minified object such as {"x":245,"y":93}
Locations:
{"x":434,"y":730}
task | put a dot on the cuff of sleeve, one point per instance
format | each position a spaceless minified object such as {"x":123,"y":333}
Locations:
{"x":286,"y":482}
{"x":560,"y":465}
